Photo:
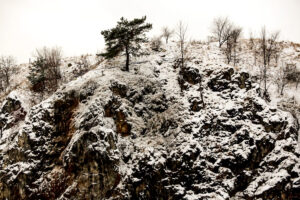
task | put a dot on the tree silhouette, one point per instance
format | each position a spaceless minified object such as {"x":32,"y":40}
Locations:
{"x":126,"y":36}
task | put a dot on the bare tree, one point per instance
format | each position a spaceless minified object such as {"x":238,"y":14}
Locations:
{"x":253,"y":47}
{"x":7,"y":68}
{"x":182,"y":37}
{"x":167,"y":33}
{"x":251,"y":41}
{"x":293,"y":74}
{"x":52,"y":57}
{"x":221,"y":27}
{"x":267,"y":49}
{"x":45,"y":70}
{"x":233,"y":35}
{"x":281,"y":78}
{"x":276,"y":53}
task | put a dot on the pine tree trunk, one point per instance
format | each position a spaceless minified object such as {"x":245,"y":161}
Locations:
{"x":265,"y":79}
{"x":182,"y":54}
{"x":234,"y":56}
{"x":182,"y":61}
{"x":127,"y":60}
{"x":281,"y":91}
{"x":7,"y":79}
{"x":201,"y":93}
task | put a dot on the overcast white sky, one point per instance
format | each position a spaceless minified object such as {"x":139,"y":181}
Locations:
{"x":75,"y":25}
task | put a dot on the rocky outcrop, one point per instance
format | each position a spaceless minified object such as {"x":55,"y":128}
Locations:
{"x":188,"y":75}
{"x":112,"y":109}
{"x":54,"y":159}
{"x":111,"y":137}
{"x":228,"y":153}
{"x":11,"y":113}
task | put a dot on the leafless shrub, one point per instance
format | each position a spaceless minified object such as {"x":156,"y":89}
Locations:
{"x":82,"y":66}
{"x":167,"y":33}
{"x":293,"y":74}
{"x":281,"y":77}
{"x":196,"y":42}
{"x":7,"y":68}
{"x":155,"y":43}
{"x":182,"y":38}
{"x":251,"y":41}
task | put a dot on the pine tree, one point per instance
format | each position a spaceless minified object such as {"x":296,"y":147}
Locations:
{"x":126,"y":36}
{"x":37,"y":75}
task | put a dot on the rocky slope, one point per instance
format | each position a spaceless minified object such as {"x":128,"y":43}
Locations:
{"x":147,"y":134}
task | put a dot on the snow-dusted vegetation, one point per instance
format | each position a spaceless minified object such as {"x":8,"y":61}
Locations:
{"x":213,"y":119}
{"x":140,"y":134}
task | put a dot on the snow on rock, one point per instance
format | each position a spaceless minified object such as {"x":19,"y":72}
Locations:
{"x":146,"y":134}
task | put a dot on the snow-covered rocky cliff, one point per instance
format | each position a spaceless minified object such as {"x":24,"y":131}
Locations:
{"x":111,"y":134}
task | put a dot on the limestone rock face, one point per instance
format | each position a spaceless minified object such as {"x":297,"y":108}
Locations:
{"x":118,"y":135}
{"x":11,"y":113}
